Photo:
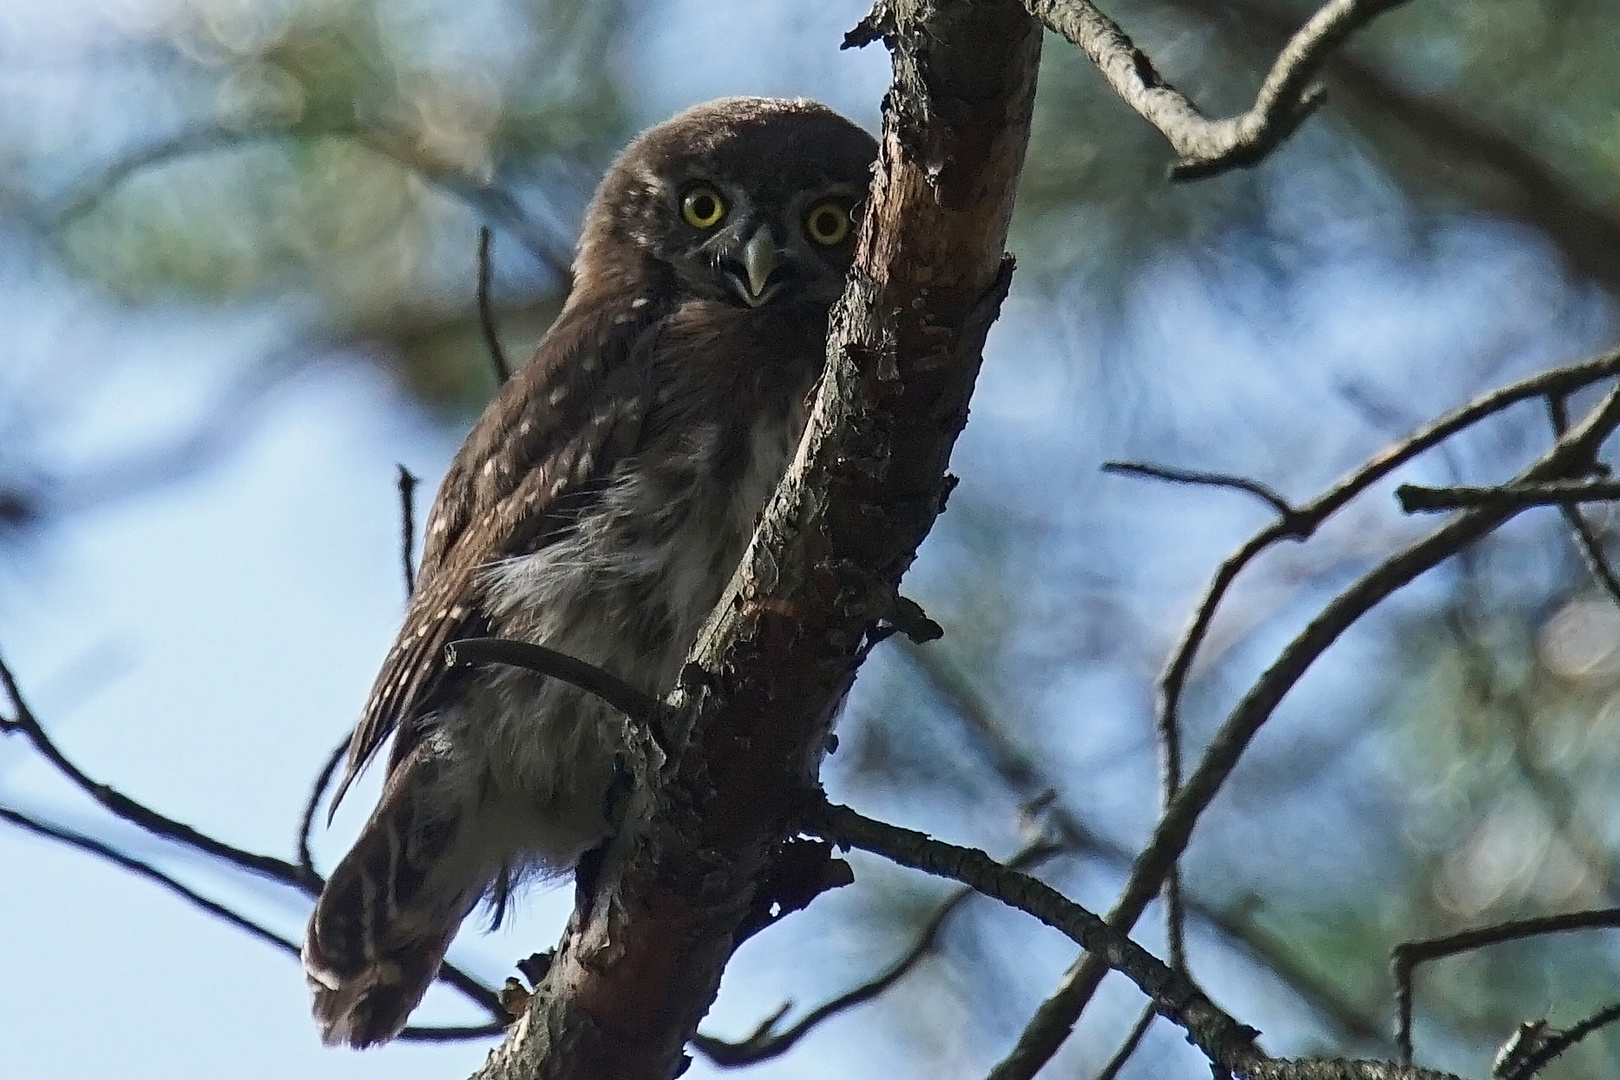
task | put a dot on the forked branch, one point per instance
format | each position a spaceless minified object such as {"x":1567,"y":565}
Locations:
{"x":1203,"y":146}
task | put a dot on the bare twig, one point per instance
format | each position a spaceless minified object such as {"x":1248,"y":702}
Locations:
{"x":1416,"y":498}
{"x":1268,"y":495}
{"x":296,"y":876}
{"x":407,"y":556}
{"x":1228,"y":1044}
{"x":1556,"y":1043}
{"x":1572,"y":453}
{"x":1128,"y":1048}
{"x":1022,"y":772}
{"x":317,"y":791}
{"x":121,"y":806}
{"x":1203,"y":146}
{"x":141,"y":869}
{"x":397,"y":146}
{"x":1405,"y":957}
{"x":1563,"y":380}
{"x":1586,"y":537}
{"x":766,"y":1042}
{"x":576,"y":673}
{"x":1440,"y":140}
{"x":148,"y":872}
{"x":486,"y":310}
{"x":407,"y":527}
{"x":1173,"y":995}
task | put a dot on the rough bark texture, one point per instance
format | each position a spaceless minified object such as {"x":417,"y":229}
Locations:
{"x":744,"y":738}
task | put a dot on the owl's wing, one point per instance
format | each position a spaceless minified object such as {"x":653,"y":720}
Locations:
{"x":542,"y":449}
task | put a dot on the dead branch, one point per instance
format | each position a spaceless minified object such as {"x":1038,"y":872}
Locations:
{"x":765,"y":1042}
{"x":1229,"y":1045}
{"x":1405,"y":957}
{"x":1572,"y":454}
{"x":1203,"y":146}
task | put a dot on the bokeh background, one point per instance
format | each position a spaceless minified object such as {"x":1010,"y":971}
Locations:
{"x":237,"y":252}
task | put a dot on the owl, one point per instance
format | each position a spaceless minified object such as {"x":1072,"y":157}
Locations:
{"x":599,"y":506}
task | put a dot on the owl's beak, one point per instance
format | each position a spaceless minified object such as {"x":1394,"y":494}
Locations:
{"x":759,"y":261}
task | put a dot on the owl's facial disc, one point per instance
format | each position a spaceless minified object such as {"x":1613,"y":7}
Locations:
{"x":753,"y":277}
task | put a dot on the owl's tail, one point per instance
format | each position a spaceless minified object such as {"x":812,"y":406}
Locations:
{"x":382,"y":924}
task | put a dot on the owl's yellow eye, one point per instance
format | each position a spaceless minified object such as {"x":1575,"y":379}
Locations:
{"x":702,"y":207}
{"x":827,"y":223}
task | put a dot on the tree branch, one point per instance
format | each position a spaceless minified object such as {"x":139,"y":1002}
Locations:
{"x":766,"y":1042}
{"x":593,"y":680}
{"x":749,"y":723}
{"x":1572,"y":453}
{"x":1416,"y":498}
{"x":1205,"y":147}
{"x":1020,"y":770}
{"x":486,"y":310}
{"x":1405,"y":957}
{"x":301,"y":876}
{"x":1227,"y":1043}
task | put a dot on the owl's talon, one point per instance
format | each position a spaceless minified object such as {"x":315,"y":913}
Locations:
{"x":514,"y":998}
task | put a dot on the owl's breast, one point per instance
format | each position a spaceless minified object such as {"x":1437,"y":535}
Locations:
{"x":629,"y":585}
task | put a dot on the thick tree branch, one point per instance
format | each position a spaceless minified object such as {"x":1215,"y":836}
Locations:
{"x":642,"y":960}
{"x":1204,"y":146}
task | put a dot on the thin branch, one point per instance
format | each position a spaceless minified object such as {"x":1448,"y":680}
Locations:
{"x":300,"y":877}
{"x":1556,"y":1044}
{"x":1128,"y":1048}
{"x":1563,"y":380}
{"x":576,"y":673}
{"x":428,"y":1034}
{"x":1227,"y":1043}
{"x":1266,"y":494}
{"x":1440,"y":141}
{"x":1586,"y":537}
{"x":486,"y":311}
{"x":1203,"y":146}
{"x":1055,"y":1018}
{"x":399,"y":147}
{"x":219,"y":911}
{"x":141,"y":869}
{"x":407,"y":527}
{"x":1405,"y":957}
{"x":127,"y":809}
{"x":317,"y":791}
{"x":407,"y":556}
{"x":765,"y":1042}
{"x":1222,"y":1038}
{"x":1022,"y":772}
{"x":1416,"y":498}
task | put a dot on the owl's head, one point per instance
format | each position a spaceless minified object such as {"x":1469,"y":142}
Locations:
{"x":747,"y":201}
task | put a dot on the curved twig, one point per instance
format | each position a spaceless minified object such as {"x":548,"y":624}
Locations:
{"x":765,"y":1042}
{"x":294,"y":876}
{"x":486,"y":310}
{"x":1573,"y":452}
{"x":576,"y":673}
{"x":1405,"y":957}
{"x":1203,"y":146}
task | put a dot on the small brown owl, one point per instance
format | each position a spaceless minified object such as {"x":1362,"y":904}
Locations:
{"x":599,"y":507}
